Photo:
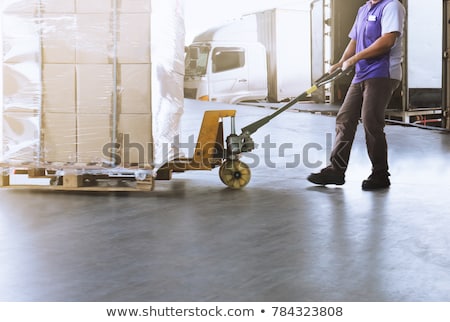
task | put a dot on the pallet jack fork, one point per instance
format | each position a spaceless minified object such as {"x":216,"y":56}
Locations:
{"x":211,"y":151}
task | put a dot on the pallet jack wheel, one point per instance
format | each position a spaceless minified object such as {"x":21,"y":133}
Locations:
{"x":234,"y":174}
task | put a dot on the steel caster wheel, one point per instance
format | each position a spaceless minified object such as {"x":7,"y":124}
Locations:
{"x":234,"y":174}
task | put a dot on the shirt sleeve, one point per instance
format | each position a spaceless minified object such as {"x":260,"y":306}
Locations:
{"x":354,"y":31}
{"x":393,"y":18}
{"x":352,"y":34}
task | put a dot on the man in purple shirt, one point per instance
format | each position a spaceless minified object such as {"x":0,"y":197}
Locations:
{"x":375,"y":49}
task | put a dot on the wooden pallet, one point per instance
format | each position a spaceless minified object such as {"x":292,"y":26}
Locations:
{"x":75,"y":182}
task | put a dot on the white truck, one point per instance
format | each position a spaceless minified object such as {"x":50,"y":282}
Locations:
{"x":263,"y":56}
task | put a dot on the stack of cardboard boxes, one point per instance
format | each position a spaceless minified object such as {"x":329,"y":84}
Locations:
{"x":78,"y":78}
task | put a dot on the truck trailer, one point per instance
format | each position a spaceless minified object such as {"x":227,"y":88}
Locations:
{"x":262,"y":56}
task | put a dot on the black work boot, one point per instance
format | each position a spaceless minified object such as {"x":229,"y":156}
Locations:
{"x":327,"y":175}
{"x":377,"y":181}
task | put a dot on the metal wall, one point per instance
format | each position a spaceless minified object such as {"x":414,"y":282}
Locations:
{"x":343,"y":13}
{"x":446,"y":65}
{"x":424,"y":52}
{"x":318,"y":46}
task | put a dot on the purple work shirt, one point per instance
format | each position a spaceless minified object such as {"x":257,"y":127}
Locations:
{"x":371,"y":23}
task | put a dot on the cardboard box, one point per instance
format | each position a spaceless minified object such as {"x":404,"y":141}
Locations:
{"x":136,"y":148}
{"x":21,"y":38}
{"x":134,"y":38}
{"x":94,"y":38}
{"x":58,"y":92}
{"x":96,"y":6}
{"x":20,"y":137}
{"x":167,"y":27}
{"x":20,"y":6}
{"x":18,"y":50}
{"x":59,"y":134}
{"x":93,"y":137}
{"x":94,"y":88}
{"x":135,"y":88}
{"x":123,"y":6}
{"x":134,"y":6}
{"x":21,"y":25}
{"x":58,"y":6}
{"x":59,"y":38}
{"x":21,"y":86}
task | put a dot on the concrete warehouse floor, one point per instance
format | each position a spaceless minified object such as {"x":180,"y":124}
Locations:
{"x":278,"y":239}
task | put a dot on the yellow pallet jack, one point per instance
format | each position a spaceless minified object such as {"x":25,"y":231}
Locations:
{"x":211,"y":151}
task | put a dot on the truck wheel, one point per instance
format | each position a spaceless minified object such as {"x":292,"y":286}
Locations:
{"x":234,"y":174}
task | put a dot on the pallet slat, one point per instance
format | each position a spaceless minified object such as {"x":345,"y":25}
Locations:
{"x":62,"y":188}
{"x":4,"y":181}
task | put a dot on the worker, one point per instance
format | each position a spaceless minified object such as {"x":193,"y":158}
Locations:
{"x":375,"y":50}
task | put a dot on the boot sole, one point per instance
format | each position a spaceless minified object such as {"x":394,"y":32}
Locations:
{"x":324,"y":183}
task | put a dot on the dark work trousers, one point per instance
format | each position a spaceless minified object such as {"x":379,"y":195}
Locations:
{"x":367,"y":100}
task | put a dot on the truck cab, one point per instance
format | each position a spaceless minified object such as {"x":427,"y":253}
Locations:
{"x":262,"y":56}
{"x":224,"y":72}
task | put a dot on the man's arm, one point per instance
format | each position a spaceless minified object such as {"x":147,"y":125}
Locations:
{"x":381,"y":46}
{"x":348,"y":53}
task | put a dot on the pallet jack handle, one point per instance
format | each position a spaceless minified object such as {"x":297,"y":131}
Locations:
{"x":324,"y":79}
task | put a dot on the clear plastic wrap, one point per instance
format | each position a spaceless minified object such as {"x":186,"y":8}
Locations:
{"x":90,"y":84}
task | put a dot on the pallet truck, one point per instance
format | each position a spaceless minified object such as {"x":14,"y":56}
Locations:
{"x":210,"y":151}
